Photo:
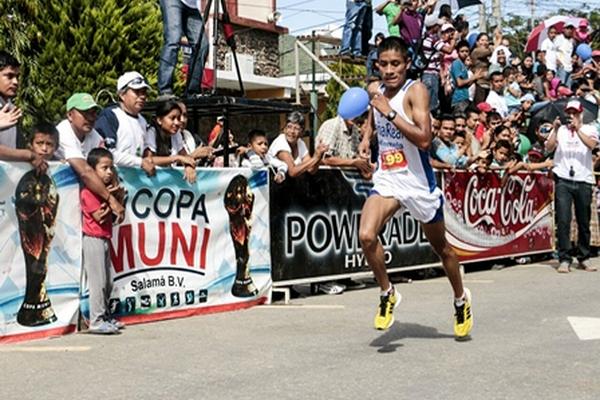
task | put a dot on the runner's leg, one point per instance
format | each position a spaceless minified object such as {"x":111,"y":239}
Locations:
{"x":376,"y":211}
{"x":436,"y":234}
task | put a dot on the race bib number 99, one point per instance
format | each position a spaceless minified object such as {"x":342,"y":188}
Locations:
{"x":393,"y":160}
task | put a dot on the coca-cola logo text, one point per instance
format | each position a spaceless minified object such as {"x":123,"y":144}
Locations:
{"x":509,"y":202}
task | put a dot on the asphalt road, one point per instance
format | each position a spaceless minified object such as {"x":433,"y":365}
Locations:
{"x":324,"y":347}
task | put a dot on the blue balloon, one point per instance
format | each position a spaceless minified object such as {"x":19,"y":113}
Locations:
{"x":354,"y":103}
{"x":584,"y":51}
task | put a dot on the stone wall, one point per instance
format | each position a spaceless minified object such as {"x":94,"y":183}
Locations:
{"x":262,"y":45}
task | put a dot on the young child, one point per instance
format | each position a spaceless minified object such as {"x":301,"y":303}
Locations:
{"x":97,"y":233}
{"x":43,"y":141}
{"x":503,"y":158}
{"x":256,"y":157}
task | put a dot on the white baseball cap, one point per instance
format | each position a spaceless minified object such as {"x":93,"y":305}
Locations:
{"x":447,"y":27}
{"x":131,"y":79}
{"x":432,"y":20}
{"x":574,"y":105}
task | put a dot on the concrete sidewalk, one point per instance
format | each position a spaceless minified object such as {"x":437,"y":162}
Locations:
{"x":324,"y":347}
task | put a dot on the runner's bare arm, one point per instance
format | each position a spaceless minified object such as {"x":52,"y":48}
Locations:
{"x":417,"y":99}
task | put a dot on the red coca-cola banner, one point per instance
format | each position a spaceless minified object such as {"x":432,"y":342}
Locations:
{"x":490,"y":217}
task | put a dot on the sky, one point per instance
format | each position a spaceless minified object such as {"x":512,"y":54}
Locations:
{"x":302,"y":16}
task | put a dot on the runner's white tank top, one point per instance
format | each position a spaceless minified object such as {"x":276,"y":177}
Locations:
{"x":391,"y":139}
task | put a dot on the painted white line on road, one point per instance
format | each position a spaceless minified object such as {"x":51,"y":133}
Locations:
{"x":585,"y":328}
{"x":445,"y":281}
{"x":303,"y":307}
{"x":43,"y":349}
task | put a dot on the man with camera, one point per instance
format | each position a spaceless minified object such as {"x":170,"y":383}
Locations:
{"x":574,"y":143}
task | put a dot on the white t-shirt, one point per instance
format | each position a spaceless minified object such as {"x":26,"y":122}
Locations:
{"x":130,"y":139}
{"x":69,"y":145}
{"x":281,"y":144}
{"x":551,"y":50}
{"x":8,"y":136}
{"x":150,"y":141}
{"x":572,"y":153}
{"x":565,"y":49}
{"x":498,"y":103}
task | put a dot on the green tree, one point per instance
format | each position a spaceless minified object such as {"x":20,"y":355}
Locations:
{"x":19,"y":35}
{"x":80,"y":45}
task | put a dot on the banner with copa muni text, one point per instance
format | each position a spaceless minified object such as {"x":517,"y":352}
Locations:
{"x":191,"y":248}
{"x":40,"y":251}
{"x":492,"y":217}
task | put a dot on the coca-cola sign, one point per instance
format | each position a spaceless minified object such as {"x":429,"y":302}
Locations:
{"x":485,"y":210}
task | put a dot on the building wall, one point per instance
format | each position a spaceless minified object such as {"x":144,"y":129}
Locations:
{"x":263,"y":46}
{"x":256,"y":10}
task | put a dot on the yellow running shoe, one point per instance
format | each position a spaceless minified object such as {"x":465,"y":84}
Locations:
{"x":463,"y":318}
{"x":385,"y":312}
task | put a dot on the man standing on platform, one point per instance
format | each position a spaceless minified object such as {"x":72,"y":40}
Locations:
{"x":181,"y":17}
{"x":357,"y":28}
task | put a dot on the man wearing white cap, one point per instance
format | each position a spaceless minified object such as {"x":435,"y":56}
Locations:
{"x":433,"y":47}
{"x":574,"y":180}
{"x":123,"y":127}
{"x":77,"y":137}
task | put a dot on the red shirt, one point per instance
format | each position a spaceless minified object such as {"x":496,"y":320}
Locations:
{"x":480,"y":131}
{"x":89,"y":204}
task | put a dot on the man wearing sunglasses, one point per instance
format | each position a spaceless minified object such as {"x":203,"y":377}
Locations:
{"x":123,"y":127}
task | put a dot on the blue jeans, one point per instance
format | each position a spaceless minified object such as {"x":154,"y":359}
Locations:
{"x":432,"y":82}
{"x":566,"y":194}
{"x":356,"y":27}
{"x":178,"y":19}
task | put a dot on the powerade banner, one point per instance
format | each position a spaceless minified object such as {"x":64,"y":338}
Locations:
{"x":315,"y":221}
{"x":191,"y":248}
{"x":40,"y":251}
{"x":489,"y":217}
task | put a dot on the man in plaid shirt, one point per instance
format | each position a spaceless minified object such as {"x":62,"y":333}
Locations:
{"x":343,"y":137}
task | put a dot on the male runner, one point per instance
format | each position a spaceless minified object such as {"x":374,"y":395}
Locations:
{"x":404,"y":178}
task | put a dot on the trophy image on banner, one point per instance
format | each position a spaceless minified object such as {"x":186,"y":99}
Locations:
{"x":36,"y":203}
{"x":239,"y":201}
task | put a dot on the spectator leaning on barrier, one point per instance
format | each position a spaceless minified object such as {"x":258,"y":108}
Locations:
{"x":10,"y":116}
{"x":123,"y":127}
{"x":256,"y":155}
{"x":574,"y":180}
{"x":290,"y":148}
{"x":163,"y":141}
{"x":193,"y":144}
{"x":342,"y":137}
{"x":77,"y":137}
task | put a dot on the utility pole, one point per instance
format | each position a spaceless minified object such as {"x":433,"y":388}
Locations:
{"x":532,"y":12}
{"x":497,"y":12}
{"x":482,"y":24}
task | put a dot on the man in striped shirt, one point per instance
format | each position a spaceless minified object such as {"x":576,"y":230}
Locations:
{"x":433,"y":47}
